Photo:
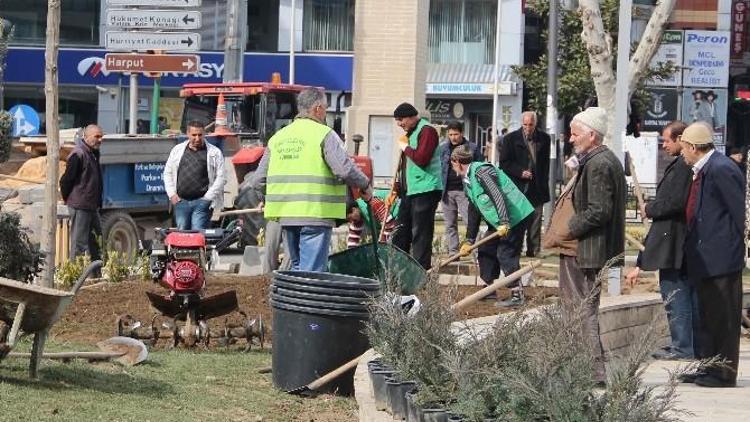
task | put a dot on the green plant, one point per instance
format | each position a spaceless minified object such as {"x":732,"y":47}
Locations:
{"x":20,"y":259}
{"x":116,"y":266}
{"x":141,"y":267}
{"x":5,"y":139}
{"x":67,"y":273}
{"x":575,"y":85}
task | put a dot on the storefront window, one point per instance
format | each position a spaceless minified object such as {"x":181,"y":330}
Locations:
{"x":328,"y":25}
{"x":79,"y":21}
{"x":462,"y":31}
{"x":263,"y":25}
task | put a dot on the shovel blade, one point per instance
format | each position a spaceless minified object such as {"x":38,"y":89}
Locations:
{"x":133,"y":351}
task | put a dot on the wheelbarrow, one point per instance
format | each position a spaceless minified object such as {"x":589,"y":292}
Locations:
{"x":38,"y":308}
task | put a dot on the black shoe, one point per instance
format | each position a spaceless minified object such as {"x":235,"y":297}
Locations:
{"x":713,"y":382}
{"x":668,"y":355}
{"x":531,"y":254}
{"x":516,"y":299}
{"x":690,"y":377}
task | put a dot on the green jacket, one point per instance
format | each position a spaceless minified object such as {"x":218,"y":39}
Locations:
{"x":419,"y":179}
{"x":515,"y":202}
{"x":365,"y":212}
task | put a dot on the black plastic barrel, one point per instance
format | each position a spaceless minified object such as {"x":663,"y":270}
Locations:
{"x":318,"y":325}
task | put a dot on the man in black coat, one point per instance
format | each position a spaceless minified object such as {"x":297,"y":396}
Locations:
{"x":664,"y":244}
{"x":598,"y":224}
{"x":524,"y":157}
{"x":715,"y":253}
{"x":81,"y":190}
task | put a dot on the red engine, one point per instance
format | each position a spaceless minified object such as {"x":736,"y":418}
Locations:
{"x":180,"y":266}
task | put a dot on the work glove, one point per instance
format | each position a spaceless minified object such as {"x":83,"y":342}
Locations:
{"x":403,"y":142}
{"x":503,"y":230}
{"x":465,"y":249}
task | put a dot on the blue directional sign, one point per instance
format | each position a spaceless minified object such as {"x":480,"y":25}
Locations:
{"x":25,"y":120}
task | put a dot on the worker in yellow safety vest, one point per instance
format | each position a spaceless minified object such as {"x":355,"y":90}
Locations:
{"x":305,"y":171}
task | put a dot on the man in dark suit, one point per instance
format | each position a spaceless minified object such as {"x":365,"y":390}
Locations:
{"x":664,"y":244}
{"x":714,"y":253}
{"x":598,"y":224}
{"x":524,"y":156}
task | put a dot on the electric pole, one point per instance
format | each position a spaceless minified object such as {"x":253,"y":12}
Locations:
{"x":552,"y":101}
{"x":234,"y":46}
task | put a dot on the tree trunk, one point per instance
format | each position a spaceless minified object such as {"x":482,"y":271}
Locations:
{"x":49,"y":220}
{"x":599,"y":46}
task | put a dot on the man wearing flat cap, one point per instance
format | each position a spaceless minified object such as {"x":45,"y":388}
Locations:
{"x":420,"y":182}
{"x":598,"y":224}
{"x":494,"y":198}
{"x":714,"y":253}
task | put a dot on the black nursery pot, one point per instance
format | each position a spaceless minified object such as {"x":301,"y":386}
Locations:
{"x":433,"y":415}
{"x":378,"y":378}
{"x":395,"y":407}
{"x":398,"y":401}
{"x":412,"y":410}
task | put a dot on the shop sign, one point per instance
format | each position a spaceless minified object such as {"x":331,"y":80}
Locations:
{"x":706,"y":59}
{"x":739,"y":28}
{"x":445,"y":109}
{"x":661,"y":109}
{"x":453,"y":88}
{"x":670,"y":51}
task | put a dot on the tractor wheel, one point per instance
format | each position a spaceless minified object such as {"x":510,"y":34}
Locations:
{"x":120,"y":233}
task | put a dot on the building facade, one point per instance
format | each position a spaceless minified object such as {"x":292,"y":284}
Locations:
{"x":459,"y":59}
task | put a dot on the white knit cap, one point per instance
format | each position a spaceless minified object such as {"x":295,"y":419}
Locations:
{"x":595,"y":118}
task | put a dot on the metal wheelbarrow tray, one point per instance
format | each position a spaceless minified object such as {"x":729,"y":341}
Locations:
{"x":38,"y":308}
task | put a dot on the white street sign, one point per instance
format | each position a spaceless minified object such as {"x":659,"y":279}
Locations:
{"x":143,"y":41}
{"x":706,"y":59}
{"x":157,"y":3}
{"x":153,"y":19}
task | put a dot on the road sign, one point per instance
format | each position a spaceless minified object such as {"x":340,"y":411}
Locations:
{"x":25,"y":120}
{"x":143,"y":41}
{"x":155,"y":3}
{"x":183,"y":63}
{"x":153,"y":19}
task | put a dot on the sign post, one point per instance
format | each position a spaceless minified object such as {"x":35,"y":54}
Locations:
{"x":130,"y":38}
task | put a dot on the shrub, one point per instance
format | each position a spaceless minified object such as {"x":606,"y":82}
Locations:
{"x":67,"y":273}
{"x":5,"y":139}
{"x":20,"y":259}
{"x":116,"y":266}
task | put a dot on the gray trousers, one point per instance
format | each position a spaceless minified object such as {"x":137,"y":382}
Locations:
{"x":85,"y":232}
{"x":534,"y":232}
{"x":454,"y":203}
{"x":272,"y":244}
{"x":576,"y":286}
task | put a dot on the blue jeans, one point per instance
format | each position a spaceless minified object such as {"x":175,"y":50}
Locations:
{"x":679,"y":300}
{"x":308,"y":247}
{"x":192,"y":214}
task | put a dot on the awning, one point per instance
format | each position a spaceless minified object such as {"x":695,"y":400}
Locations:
{"x":468,"y":79}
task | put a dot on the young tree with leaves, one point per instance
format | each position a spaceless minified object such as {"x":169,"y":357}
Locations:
{"x":586,"y":53}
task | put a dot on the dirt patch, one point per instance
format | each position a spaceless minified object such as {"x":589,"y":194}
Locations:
{"x":91,"y":317}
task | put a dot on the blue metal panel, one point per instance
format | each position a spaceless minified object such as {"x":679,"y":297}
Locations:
{"x":119,"y":190}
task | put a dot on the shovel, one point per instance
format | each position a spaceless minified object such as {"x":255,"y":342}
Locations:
{"x":454,"y":257}
{"x":125,"y":350}
{"x":463,"y":303}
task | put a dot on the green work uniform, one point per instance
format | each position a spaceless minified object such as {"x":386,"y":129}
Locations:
{"x":423,"y":179}
{"x":515,"y":202}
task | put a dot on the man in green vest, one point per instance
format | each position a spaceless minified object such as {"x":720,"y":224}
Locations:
{"x":305,"y":171}
{"x":421,"y":185}
{"x":495,"y":199}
